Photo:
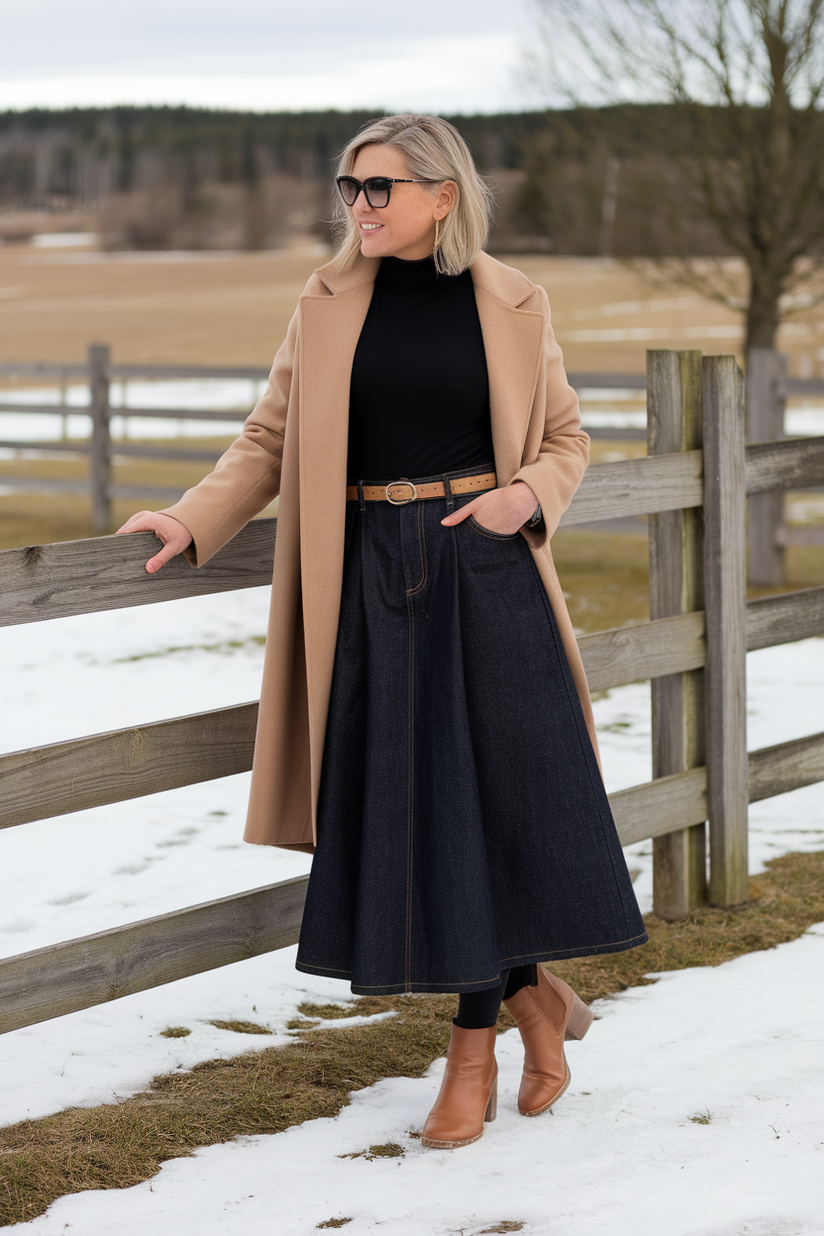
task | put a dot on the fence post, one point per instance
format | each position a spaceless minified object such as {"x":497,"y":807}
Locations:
{"x":674,"y":423}
{"x":725,"y":593}
{"x":766,"y":390}
{"x":100,"y":456}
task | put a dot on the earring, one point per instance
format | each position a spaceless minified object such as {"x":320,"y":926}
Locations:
{"x":437,"y":235}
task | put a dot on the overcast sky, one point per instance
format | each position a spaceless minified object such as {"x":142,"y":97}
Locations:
{"x":428,"y":55}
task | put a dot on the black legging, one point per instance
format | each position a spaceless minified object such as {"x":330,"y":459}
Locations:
{"x":478,"y":1010}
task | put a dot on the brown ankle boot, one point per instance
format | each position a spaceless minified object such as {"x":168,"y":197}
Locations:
{"x":546,"y":1015}
{"x":469,"y":1091}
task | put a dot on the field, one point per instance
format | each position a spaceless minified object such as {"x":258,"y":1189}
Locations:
{"x":233,"y":308}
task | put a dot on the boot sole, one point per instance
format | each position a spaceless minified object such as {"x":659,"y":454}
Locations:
{"x":540,"y":1110}
{"x":489,"y":1115}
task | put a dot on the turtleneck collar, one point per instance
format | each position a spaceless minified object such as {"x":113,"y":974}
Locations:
{"x":418,"y":274}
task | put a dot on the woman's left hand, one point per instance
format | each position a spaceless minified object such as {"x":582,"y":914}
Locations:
{"x":504,"y":510}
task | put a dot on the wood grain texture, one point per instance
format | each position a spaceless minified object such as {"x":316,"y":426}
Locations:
{"x":674,"y":423}
{"x":82,"y":577}
{"x":78,"y":974}
{"x":108,"y":768}
{"x":662,"y":806}
{"x":725,"y":593}
{"x":785,"y":618}
{"x":787,"y":766}
{"x":766,"y":399}
{"x":648,"y":650}
{"x":797,"y":463}
{"x":637,"y":487}
{"x":100,"y":456}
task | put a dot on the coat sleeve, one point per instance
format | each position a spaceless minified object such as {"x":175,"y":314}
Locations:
{"x":554,"y":470}
{"x":246,"y":478}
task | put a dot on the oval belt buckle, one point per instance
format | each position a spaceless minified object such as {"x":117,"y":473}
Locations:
{"x":401,"y":501}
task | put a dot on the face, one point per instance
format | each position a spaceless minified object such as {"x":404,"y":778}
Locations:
{"x":406,"y":227}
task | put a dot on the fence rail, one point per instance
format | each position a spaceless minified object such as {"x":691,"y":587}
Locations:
{"x":693,"y":485}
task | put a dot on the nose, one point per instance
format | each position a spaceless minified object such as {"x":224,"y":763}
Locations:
{"x":361,"y":202}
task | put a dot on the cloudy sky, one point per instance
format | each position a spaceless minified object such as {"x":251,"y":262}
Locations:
{"x":434,"y":55}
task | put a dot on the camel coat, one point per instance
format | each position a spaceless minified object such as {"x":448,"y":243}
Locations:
{"x":294,"y":444}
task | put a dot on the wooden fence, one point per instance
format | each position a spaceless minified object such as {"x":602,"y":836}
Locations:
{"x":767,"y":389}
{"x":693,"y":485}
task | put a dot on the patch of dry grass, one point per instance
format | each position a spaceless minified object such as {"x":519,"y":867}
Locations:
{"x":117,"y":1145}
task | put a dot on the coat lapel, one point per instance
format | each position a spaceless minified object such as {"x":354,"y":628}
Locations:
{"x":330,"y":328}
{"x":513,"y":339}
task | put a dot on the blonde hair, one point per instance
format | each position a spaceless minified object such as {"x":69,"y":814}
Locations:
{"x":434,"y":150}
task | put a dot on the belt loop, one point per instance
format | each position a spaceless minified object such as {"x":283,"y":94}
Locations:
{"x":447,"y":489}
{"x":361,"y":499}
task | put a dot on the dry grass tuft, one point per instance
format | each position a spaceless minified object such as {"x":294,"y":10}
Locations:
{"x":118,"y":1145}
{"x":334,"y":1223}
{"x":506,"y":1225}
{"x":329,"y":1012}
{"x":241,"y":1027}
{"x":175,"y":1032}
{"x":704,"y":1117}
{"x":389,"y":1150}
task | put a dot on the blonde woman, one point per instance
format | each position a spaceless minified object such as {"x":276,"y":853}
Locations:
{"x":425,"y":727}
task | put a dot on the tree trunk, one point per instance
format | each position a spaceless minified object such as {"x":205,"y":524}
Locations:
{"x":763,"y":308}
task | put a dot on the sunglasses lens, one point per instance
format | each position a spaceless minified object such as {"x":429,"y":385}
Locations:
{"x":349,"y":189}
{"x":377,"y":191}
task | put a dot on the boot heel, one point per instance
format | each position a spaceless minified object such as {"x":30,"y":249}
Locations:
{"x":492,"y":1106}
{"x":580,"y":1019}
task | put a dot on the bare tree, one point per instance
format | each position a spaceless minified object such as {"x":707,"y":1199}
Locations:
{"x":745,"y":81}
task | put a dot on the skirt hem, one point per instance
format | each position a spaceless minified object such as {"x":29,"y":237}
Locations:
{"x":407,"y":989}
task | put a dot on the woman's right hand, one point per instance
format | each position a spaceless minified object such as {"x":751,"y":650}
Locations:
{"x":174,"y":535}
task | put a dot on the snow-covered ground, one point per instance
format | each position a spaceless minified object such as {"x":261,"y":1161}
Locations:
{"x":621,"y":1156}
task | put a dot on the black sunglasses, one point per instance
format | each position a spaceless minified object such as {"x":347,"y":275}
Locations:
{"x":376,"y":189}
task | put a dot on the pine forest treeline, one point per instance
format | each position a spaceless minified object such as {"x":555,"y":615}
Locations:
{"x":582,"y":181}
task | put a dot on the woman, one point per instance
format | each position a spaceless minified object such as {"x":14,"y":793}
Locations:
{"x":425,"y":722}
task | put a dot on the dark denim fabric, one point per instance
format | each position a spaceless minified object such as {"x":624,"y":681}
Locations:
{"x":463,"y":826}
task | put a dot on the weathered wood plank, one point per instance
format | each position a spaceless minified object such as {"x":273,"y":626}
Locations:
{"x":108,"y":768}
{"x":637,"y":487}
{"x":648,"y":650}
{"x":659,"y":807}
{"x":235,"y":415}
{"x":173,"y":454}
{"x":785,"y":618}
{"x":36,"y":484}
{"x":616,"y":433}
{"x":76,"y":448}
{"x":766,"y":399}
{"x":796,"y":463}
{"x":82,"y":577}
{"x":44,"y":409}
{"x":255,"y":373}
{"x":607,"y":381}
{"x":100,"y":456}
{"x":725,"y":592}
{"x":674,"y":417}
{"x":787,"y":766}
{"x":78,"y":974}
{"x":42,"y":369}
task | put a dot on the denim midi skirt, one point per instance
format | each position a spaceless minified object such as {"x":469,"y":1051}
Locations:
{"x":463,"y":826}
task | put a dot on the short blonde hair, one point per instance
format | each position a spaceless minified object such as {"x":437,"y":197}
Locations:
{"x":434,"y":150}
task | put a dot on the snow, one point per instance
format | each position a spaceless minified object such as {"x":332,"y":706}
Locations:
{"x":621,"y":1156}
{"x":739,"y":1046}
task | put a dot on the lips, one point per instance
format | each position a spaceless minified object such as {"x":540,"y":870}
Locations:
{"x":370,"y":227}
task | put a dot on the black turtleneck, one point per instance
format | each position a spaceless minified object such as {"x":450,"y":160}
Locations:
{"x":419,"y":396}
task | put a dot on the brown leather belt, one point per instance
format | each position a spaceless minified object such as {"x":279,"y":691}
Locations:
{"x":401,"y":492}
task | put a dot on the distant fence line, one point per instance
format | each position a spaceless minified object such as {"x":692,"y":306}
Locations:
{"x":693,"y":486}
{"x":767,"y":389}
